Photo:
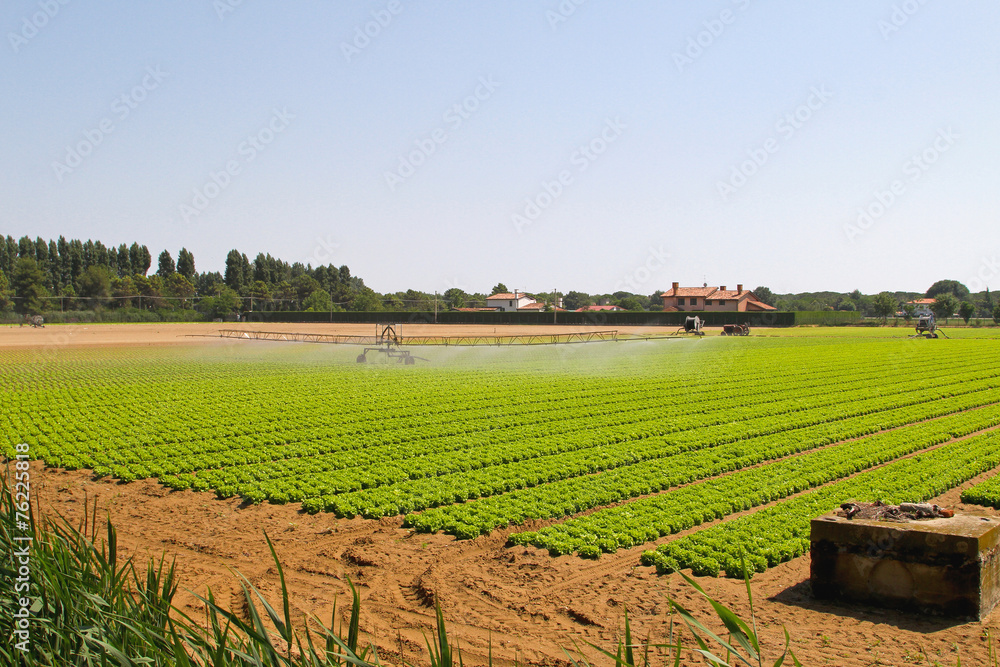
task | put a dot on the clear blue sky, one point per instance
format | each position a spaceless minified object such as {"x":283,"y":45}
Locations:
{"x":725,"y":141}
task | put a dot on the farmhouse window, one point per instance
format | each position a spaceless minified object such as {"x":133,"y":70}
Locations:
{"x":708,"y":302}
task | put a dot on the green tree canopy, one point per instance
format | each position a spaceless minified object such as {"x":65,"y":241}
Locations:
{"x":966,"y":310}
{"x":987,"y":304}
{"x":765,"y":295}
{"x":95,"y":285}
{"x":630,"y":303}
{"x":185,"y":263}
{"x":139,"y":258}
{"x":5,"y":294}
{"x":165,"y":264}
{"x":883,"y":305}
{"x":944,"y":306}
{"x":952,"y":287}
{"x":179,"y":287}
{"x":576,"y":300}
{"x":366,"y":301}
{"x":304,"y":285}
{"x":234,"y":276}
{"x":318,"y":301}
{"x":28,"y":282}
{"x":456,"y":297}
{"x":499,"y":288}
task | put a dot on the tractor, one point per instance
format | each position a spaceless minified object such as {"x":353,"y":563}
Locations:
{"x":928,"y":328}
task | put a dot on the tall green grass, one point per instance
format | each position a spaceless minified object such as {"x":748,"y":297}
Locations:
{"x":89,"y":608}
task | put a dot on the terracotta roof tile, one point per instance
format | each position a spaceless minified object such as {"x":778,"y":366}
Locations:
{"x":537,"y":305}
{"x":707,"y":292}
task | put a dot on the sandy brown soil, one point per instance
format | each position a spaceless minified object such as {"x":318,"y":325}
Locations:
{"x":532,"y":606}
{"x":193,"y":333}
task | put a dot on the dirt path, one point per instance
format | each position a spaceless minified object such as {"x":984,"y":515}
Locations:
{"x":192,"y":333}
{"x":530,"y":604}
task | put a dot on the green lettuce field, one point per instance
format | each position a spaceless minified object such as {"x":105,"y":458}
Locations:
{"x":615,"y":444}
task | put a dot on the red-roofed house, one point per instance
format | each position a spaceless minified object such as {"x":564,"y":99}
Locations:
{"x":538,"y":305}
{"x":506,"y":302}
{"x":712,"y":299}
{"x":921,"y":307}
{"x":604,"y":308}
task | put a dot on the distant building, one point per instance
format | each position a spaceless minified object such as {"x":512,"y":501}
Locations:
{"x":921,"y":307}
{"x":712,"y":299}
{"x":539,"y":306}
{"x":506,"y":302}
{"x":600,"y":308}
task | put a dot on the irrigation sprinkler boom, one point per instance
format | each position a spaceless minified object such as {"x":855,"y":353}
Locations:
{"x":387,"y":342}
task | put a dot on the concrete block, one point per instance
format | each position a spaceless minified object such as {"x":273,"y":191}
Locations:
{"x":941,"y":566}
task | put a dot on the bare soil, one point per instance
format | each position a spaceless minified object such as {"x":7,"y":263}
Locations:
{"x":529,"y":605}
{"x":199,"y":333}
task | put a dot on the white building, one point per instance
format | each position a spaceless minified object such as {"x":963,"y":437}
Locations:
{"x":507,"y":302}
{"x":921,"y":307}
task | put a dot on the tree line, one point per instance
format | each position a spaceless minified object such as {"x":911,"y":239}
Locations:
{"x":951,"y":298}
{"x":39,"y":276}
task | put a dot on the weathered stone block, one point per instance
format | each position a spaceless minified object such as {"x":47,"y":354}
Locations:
{"x":944,"y":566}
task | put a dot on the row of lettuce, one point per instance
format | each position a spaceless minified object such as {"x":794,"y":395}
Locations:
{"x":780,"y":533}
{"x":711,"y":431}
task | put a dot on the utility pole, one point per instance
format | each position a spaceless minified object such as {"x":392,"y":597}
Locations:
{"x":554,"y":305}
{"x":435,"y":306}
